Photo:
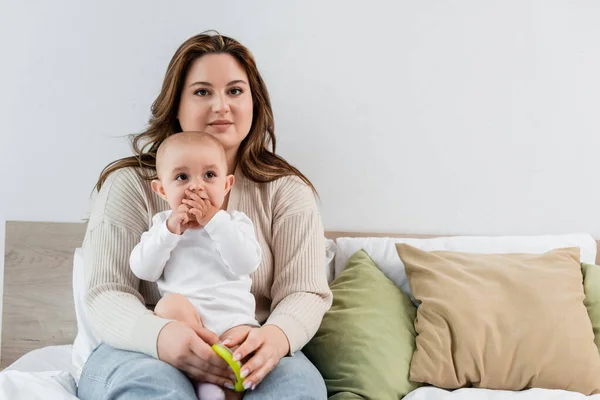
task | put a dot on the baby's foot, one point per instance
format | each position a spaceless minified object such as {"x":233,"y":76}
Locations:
{"x":209,"y":391}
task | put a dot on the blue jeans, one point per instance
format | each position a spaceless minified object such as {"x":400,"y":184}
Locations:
{"x":115,"y":374}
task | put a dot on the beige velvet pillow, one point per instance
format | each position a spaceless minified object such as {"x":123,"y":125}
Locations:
{"x":501,"y":321}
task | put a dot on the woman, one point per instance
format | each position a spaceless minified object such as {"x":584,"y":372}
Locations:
{"x":212,"y":85}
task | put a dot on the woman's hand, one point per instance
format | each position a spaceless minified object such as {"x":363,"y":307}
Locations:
{"x":266,"y":346}
{"x":188,"y":349}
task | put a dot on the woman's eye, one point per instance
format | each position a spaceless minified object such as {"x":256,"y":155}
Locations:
{"x":210,"y":175}
{"x":181,"y":177}
{"x":201,"y":92}
{"x":236,"y":91}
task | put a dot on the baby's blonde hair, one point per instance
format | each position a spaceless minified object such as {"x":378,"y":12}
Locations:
{"x":188,"y":138}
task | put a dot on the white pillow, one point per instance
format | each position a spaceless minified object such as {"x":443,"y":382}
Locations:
{"x":330,"y":248}
{"x":86,"y":340}
{"x":384,"y":254}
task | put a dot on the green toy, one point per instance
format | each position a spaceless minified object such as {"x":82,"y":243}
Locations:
{"x":227,"y":355}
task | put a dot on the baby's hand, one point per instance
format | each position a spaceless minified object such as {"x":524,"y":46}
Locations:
{"x":179,"y":220}
{"x":200,"y":208}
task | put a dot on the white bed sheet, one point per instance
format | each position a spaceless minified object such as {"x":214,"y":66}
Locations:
{"x":42,"y":374}
{"x":51,"y":358}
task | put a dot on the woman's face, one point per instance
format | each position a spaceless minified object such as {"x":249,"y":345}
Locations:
{"x":216,"y":99}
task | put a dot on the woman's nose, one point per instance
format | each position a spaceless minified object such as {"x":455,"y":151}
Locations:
{"x":220,"y":104}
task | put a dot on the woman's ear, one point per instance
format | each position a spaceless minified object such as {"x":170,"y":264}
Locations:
{"x":229,"y":180}
{"x":159,"y":189}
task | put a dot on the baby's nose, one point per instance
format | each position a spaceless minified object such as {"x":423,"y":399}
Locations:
{"x":196,"y":187}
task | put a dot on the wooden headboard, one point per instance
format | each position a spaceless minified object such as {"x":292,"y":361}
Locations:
{"x":38,"y":305}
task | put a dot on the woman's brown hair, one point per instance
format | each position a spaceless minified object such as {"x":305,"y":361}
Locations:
{"x":256,"y":155}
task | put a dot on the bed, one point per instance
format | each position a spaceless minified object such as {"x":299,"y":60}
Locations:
{"x":39,"y":323}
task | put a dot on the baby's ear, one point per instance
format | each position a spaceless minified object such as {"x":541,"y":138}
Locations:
{"x":229,"y":181}
{"x":159,"y":189}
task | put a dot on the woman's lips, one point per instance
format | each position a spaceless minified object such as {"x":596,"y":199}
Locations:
{"x":220,"y":125}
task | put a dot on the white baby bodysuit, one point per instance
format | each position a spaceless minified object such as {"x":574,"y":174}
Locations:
{"x":210,"y":266}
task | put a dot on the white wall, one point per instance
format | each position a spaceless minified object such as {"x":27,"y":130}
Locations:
{"x":425,"y":117}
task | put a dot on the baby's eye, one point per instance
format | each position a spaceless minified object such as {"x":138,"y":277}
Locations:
{"x":181,"y":177}
{"x":210,"y":175}
{"x":201,"y":92}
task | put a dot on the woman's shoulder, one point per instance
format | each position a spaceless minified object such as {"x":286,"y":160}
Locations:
{"x":126,"y":196}
{"x":127,"y":178}
{"x":290,"y":195}
{"x":293,"y":184}
{"x":129,"y":184}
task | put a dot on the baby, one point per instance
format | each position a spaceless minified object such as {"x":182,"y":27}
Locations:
{"x":200,"y":256}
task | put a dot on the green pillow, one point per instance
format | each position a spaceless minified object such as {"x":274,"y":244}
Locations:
{"x":591,"y":288}
{"x":366,"y":341}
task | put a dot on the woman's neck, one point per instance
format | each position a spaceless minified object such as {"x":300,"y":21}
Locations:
{"x":231,"y":158}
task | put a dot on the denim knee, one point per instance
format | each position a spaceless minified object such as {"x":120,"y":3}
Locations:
{"x":123,"y":375}
{"x":293,"y":378}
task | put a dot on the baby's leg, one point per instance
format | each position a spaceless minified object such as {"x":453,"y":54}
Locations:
{"x":179,"y":308}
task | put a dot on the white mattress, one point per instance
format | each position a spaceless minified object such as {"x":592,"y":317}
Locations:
{"x":47,"y":374}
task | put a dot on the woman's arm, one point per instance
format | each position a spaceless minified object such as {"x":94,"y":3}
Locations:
{"x":300,"y":292}
{"x":113,"y":303}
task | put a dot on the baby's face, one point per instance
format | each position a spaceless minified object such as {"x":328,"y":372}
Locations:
{"x":196,"y":167}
